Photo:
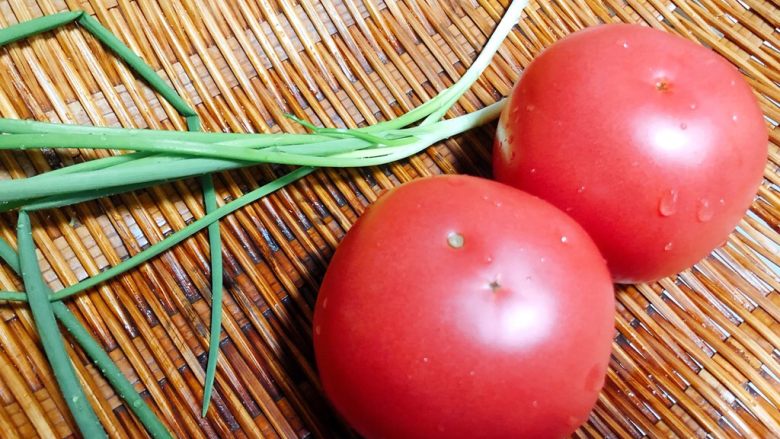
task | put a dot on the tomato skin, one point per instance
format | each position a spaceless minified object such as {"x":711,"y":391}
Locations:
{"x":655,"y":145}
{"x":413,"y":341}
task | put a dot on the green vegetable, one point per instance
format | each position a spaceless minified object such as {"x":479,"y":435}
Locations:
{"x":162,"y":156}
{"x":50,"y":335}
{"x":215,"y":263}
{"x":180,"y":155}
{"x":175,"y":238}
{"x":215,"y":254}
{"x":33,"y":27}
{"x":110,"y":371}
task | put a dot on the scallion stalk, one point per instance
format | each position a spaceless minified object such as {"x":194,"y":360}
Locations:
{"x":161,"y":156}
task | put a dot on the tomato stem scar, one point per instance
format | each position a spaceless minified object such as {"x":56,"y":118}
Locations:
{"x":662,"y":84}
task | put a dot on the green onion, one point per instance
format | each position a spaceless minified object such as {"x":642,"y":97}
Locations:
{"x":239,"y":150}
{"x":166,"y":168}
{"x":50,"y":335}
{"x":215,"y":262}
{"x":173,"y":239}
{"x":111,"y":373}
{"x":426,"y":135}
{"x":162,"y":156}
{"x":39,"y":25}
{"x":181,"y":235}
{"x":33,"y":27}
{"x":108,"y":369}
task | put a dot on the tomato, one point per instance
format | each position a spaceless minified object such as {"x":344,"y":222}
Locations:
{"x":654,"y":144}
{"x":458,"y":307}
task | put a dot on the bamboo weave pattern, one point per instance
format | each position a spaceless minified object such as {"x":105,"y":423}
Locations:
{"x":692,"y":355}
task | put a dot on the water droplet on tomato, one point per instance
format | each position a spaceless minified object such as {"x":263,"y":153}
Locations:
{"x":569,"y":209}
{"x":542,"y":260}
{"x":472,"y":373}
{"x":425,"y":359}
{"x":693,"y":106}
{"x":530,"y":107}
{"x":533,"y":171}
{"x":734,"y":117}
{"x":535,"y":403}
{"x":489,"y":259}
{"x":668,"y":246}
{"x":564,"y":239}
{"x":317,"y":330}
{"x":498,"y":204}
{"x":581,"y":189}
{"x":667,"y":205}
{"x":683,"y":126}
{"x":706,"y":211}
{"x":722,"y":202}
{"x":324,"y":303}
{"x":733,"y":83}
{"x":625,"y":44}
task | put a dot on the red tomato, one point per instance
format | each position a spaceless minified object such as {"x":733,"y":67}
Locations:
{"x":655,"y":145}
{"x":458,"y":307}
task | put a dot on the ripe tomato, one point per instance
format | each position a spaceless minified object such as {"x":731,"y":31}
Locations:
{"x":655,"y":145}
{"x":458,"y":307}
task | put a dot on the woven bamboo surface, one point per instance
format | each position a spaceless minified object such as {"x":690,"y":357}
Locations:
{"x":693,"y":355}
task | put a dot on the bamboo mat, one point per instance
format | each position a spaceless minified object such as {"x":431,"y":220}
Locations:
{"x":693,"y":355}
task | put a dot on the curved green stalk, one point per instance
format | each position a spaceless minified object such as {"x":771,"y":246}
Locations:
{"x":217,"y":290}
{"x":432,"y":110}
{"x":162,"y":168}
{"x":55,"y":202}
{"x":43,"y":24}
{"x":215,"y":263}
{"x":89,"y":141}
{"x":436,"y":108}
{"x":163,"y":156}
{"x":104,"y":363}
{"x":111,"y":373}
{"x":179,"y":236}
{"x":36,"y":26}
{"x":428,"y":135}
{"x":24,"y":126}
{"x":50,"y":336}
{"x":136,"y":64}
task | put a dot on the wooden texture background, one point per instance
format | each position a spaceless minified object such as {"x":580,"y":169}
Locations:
{"x":693,"y":355}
